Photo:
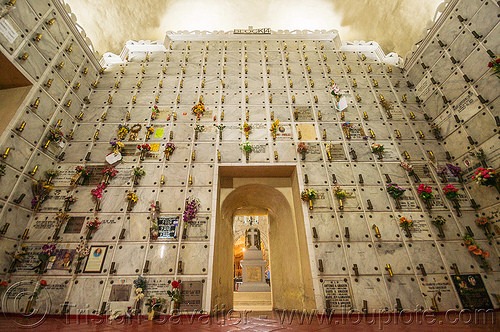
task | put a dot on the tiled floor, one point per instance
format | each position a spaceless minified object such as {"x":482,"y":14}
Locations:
{"x":258,"y":322}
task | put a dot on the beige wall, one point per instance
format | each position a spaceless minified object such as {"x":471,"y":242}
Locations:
{"x":10,"y":100}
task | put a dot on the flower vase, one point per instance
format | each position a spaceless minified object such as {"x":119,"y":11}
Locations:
{"x":89,"y":234}
{"x":443,"y":178}
{"x":66,"y":206}
{"x":151,"y":315}
{"x":246,"y":134}
{"x":56,"y":233}
{"x":274,"y":136}
{"x":440,"y":231}
{"x":398,"y":204}
{"x":12,"y":266}
{"x":428,"y":204}
{"x":380,"y":155}
{"x":49,"y":180}
{"x":143,"y":155}
{"x":177,"y":305}
{"x":195,"y":135}
{"x":167,"y":155}
{"x":41,"y":268}
{"x":184,"y":232}
{"x":408,"y":232}
{"x":78,"y":266}
{"x":29,"y":306}
{"x":460,"y":178}
{"x":341,"y":204}
{"x":484,"y":164}
{"x":129,"y":205}
{"x":415,"y":177}
{"x":98,"y":205}
{"x":456,"y":205}
{"x":135,"y":179}
{"x":497,"y":186}
{"x":106,"y":179}
{"x":303,"y":155}
{"x":220,"y":135}
{"x":310,"y":204}
{"x":37,"y":206}
{"x":247,"y":155}
{"x":484,"y":264}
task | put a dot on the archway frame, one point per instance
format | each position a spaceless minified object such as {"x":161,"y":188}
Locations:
{"x":273,"y":190}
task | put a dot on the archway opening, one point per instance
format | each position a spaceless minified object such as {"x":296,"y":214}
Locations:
{"x":279,"y":200}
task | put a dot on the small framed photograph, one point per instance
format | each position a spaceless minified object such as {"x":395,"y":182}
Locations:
{"x":95,"y":260}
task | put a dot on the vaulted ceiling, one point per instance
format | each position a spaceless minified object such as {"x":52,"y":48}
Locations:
{"x":395,"y":24}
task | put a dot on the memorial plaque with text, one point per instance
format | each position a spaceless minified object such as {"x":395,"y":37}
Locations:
{"x":471,"y":291}
{"x":337,"y":293}
{"x":167,"y":227}
{"x":192,"y":295}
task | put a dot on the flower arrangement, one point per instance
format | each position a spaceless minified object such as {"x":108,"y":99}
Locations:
{"x":247,"y":147}
{"x":405,"y":222}
{"x":55,"y":135}
{"x":480,"y":155}
{"x":83,"y":172}
{"x":198,"y":110}
{"x":109,"y":173}
{"x":123,"y":130}
{"x":395,"y":191}
{"x":50,"y":174}
{"x":4,"y":284}
{"x":436,"y":130}
{"x":191,"y":210}
{"x":485,"y":222}
{"x":68,"y":200}
{"x":199,"y":128}
{"x":169,"y":149}
{"x":149,"y":130}
{"x":132,"y":199}
{"x":347,"y":125}
{"x":246,"y":129}
{"x":308,"y":195}
{"x":482,"y":221}
{"x":485,"y":176}
{"x":137,"y":173}
{"x":175,"y":294}
{"x":438,"y":221}
{"x":144,"y":147}
{"x":2,"y":169}
{"x":154,"y":304}
{"x":340,"y":193}
{"x":407,"y":167}
{"x":155,"y":112}
{"x":82,"y":250}
{"x":41,"y":190}
{"x":274,"y":127}
{"x":377,"y":148}
{"x":117,"y":146}
{"x":425,"y":192}
{"x":98,"y":191}
{"x":41,"y":285}
{"x":44,"y":255}
{"x":476,"y":250}
{"x":450,"y":191}
{"x":495,"y":67}
{"x":302,"y":147}
{"x":220,"y":128}
{"x":386,"y":105}
{"x":456,"y":171}
{"x":141,"y":283}
{"x":93,"y":225}
{"x":336,"y":90}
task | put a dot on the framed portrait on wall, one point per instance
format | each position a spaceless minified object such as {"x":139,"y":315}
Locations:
{"x":95,"y":260}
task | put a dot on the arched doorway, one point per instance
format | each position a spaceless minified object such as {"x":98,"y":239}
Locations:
{"x":291,"y":280}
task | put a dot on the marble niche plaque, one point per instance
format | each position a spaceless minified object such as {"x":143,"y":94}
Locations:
{"x":198,"y":228}
{"x":305,"y":113}
{"x":30,"y":260}
{"x":192,"y":295}
{"x":167,"y":227}
{"x":438,"y":283}
{"x":471,"y":291}
{"x":338,"y":294}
